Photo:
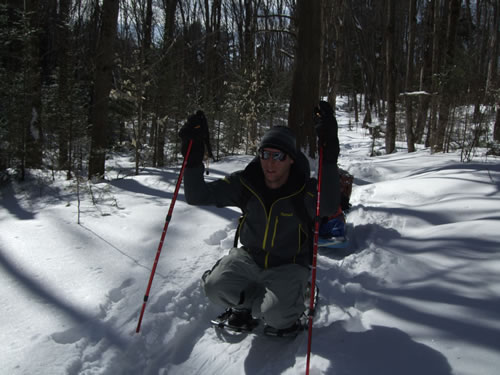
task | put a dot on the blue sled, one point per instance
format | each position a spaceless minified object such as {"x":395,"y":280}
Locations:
{"x":333,"y":242}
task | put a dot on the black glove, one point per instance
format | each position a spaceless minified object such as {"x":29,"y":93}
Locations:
{"x":327,"y":131}
{"x":195,"y":129}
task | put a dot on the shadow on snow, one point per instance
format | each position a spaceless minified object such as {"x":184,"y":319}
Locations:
{"x":91,"y":325}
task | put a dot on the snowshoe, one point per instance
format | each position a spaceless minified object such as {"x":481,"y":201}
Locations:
{"x":302,"y":323}
{"x":291,"y":331}
{"x":236,"y":320}
{"x":307,"y":302}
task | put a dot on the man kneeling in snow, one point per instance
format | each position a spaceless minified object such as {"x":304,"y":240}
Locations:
{"x":267,"y":277}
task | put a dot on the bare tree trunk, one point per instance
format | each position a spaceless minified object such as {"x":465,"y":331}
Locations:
{"x":149,"y":103}
{"x":305,"y":85}
{"x":481,"y":43}
{"x":63,"y":63}
{"x":102,"y":88}
{"x":493,"y":48}
{"x":496,"y":128}
{"x":139,"y":129}
{"x":368,"y":54}
{"x":436,"y":62}
{"x":334,"y":63}
{"x":143,"y":78}
{"x":390,"y":68}
{"x":355,"y":104}
{"x":213,"y":64}
{"x":166,"y":79}
{"x":446,"y":94}
{"x":33,"y":133}
{"x":493,"y":79}
{"x":425,"y":76}
{"x":249,"y":63}
{"x":412,"y":23}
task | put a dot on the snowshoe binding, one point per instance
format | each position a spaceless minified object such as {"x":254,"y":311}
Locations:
{"x":291,"y":331}
{"x":236,"y":320}
{"x":302,"y":323}
{"x":307,"y":300}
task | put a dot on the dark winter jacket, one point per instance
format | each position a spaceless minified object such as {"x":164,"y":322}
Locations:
{"x":272,"y":229}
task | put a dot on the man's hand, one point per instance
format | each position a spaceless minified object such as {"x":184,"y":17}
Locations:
{"x":327,"y":131}
{"x":195,"y":129}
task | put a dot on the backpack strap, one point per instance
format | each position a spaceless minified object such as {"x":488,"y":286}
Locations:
{"x":237,"y":234}
{"x":244,"y":200}
{"x":300,"y":209}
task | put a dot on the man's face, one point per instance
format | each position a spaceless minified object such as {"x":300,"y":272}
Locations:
{"x":276,"y":172}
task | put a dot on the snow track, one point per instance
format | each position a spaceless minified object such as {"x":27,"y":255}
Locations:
{"x":419,"y":293}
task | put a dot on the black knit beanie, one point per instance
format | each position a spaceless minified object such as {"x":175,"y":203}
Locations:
{"x":282,"y":138}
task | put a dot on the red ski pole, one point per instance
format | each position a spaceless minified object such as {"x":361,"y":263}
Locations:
{"x":160,"y":246}
{"x":314,"y":261}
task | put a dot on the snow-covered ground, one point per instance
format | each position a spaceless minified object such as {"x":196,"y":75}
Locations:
{"x":420,"y":294}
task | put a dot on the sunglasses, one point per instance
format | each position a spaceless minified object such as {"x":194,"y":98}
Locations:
{"x":275,"y":155}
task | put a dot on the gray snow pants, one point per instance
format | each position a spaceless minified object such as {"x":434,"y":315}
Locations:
{"x":276,"y":295}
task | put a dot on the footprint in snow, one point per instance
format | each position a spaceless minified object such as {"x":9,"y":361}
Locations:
{"x":116,"y":294}
{"x":95,"y":327}
{"x":69,"y":336}
{"x":216,"y":237}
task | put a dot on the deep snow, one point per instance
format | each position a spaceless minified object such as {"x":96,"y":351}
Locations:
{"x":420,"y":294}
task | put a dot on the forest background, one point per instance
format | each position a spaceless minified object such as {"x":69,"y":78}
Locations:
{"x":82,"y":78}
